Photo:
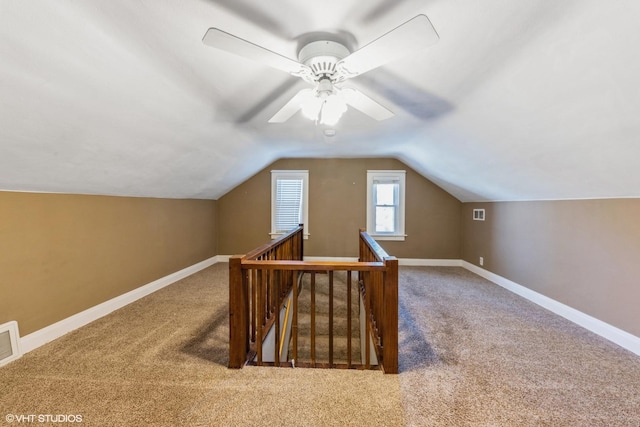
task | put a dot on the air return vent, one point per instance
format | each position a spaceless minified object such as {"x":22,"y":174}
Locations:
{"x":478,"y":214}
{"x":9,"y":342}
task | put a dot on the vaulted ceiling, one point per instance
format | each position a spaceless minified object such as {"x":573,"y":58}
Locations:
{"x":518,"y":100}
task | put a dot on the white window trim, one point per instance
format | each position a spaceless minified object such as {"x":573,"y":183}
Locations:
{"x":399,"y":175}
{"x":291,"y":174}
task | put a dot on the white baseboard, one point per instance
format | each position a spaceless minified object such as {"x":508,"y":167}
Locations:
{"x":401,"y":261}
{"x":605,"y":330}
{"x":331,"y":258}
{"x":42,"y":336}
{"x":415,"y":262}
{"x":38,"y":338}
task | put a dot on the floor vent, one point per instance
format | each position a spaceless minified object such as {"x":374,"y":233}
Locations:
{"x":9,"y":349}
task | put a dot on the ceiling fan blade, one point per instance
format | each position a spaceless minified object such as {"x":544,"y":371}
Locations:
{"x":368,"y":106}
{"x":292,"y":107}
{"x":266,"y":18}
{"x":219,"y":39}
{"x":415,"y":34}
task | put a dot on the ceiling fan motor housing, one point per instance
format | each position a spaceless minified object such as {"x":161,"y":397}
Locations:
{"x":322,"y":56}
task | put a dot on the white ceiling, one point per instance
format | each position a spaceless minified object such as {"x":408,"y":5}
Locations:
{"x":519,"y":100}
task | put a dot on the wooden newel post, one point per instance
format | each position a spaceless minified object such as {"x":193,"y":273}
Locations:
{"x":300,"y":243}
{"x":390,"y":331}
{"x":238,"y":314}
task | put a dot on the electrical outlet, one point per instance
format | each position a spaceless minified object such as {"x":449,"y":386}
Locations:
{"x":481,"y":261}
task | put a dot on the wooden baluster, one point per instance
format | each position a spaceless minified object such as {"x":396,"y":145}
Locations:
{"x":349,"y":318}
{"x":294,"y":320}
{"x":254,"y":305}
{"x":367,"y":315}
{"x":331,"y":318}
{"x":269,"y":293}
{"x":275,"y":292}
{"x":261,"y":313}
{"x":292,"y":247}
{"x":276,"y":325}
{"x":380,"y":303}
{"x":246,"y":296}
{"x":313,"y":319}
{"x":376,"y":304}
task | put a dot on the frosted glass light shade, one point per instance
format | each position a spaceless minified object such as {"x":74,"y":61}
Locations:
{"x":332,"y":109}
{"x":311,"y":107}
{"x":324,"y":109}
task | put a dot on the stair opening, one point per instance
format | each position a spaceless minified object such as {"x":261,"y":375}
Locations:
{"x":285,"y":311}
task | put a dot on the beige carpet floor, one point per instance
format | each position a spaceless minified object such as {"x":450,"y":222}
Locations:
{"x":471,"y":354}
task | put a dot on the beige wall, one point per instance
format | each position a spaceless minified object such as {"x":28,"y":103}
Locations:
{"x":337,"y":210}
{"x":585,"y":254}
{"x":61,"y":254}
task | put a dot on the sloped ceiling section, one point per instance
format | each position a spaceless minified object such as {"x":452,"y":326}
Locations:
{"x":517,"y":101}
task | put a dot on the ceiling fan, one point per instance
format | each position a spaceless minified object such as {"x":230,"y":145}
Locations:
{"x":326,"y":64}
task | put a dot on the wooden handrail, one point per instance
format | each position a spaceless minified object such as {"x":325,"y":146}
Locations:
{"x":261,"y":280}
{"x":374,"y":247}
{"x":313,"y":265}
{"x":261,"y":250}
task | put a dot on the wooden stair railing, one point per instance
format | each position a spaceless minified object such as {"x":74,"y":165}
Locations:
{"x":261,"y":281}
{"x":256,"y":295}
{"x":380,"y":291}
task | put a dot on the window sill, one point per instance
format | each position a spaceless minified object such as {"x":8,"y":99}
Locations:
{"x":398,"y":237}
{"x":276,"y":235}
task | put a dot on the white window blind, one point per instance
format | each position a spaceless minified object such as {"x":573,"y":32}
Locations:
{"x":289,"y":201}
{"x":288,"y":213}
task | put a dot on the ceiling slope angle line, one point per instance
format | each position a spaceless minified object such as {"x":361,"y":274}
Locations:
{"x":326,"y":65}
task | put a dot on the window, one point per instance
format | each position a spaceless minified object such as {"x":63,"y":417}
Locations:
{"x":385,"y":204}
{"x":289,"y":201}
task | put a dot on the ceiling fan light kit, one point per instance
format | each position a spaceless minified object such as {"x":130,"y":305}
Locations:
{"x":325,"y":105}
{"x":327,"y":64}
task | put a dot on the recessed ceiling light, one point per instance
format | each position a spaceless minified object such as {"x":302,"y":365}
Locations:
{"x":329,"y":132}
